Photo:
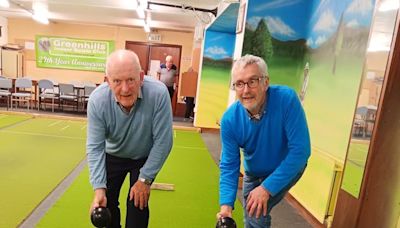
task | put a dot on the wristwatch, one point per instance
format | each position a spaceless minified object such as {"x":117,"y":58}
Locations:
{"x":146,"y":181}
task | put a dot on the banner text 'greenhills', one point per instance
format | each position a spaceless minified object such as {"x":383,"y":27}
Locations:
{"x":74,"y":54}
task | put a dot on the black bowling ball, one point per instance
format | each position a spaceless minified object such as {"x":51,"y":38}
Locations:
{"x":100,"y":217}
{"x":226,"y":222}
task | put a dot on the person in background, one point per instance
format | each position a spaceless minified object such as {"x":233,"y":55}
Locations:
{"x":189,"y":101}
{"x":129,"y":131}
{"x":268,"y":123}
{"x":168,"y":74}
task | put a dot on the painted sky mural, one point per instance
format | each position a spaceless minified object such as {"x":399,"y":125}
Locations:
{"x":284,"y":20}
{"x":314,"y":21}
{"x":327,"y":14}
{"x":218,"y":46}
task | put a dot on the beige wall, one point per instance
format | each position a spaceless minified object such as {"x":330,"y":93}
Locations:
{"x":22,"y":30}
{"x":4,"y":30}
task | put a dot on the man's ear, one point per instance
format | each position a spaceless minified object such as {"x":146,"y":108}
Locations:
{"x":141,"y":77}
{"x":267,"y":80}
{"x":106,"y":79}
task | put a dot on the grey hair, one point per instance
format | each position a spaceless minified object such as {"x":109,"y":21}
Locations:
{"x":121,"y":54}
{"x":246,"y":60}
{"x":169,"y":58}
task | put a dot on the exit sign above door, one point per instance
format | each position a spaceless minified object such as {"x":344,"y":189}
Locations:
{"x":154,"y":37}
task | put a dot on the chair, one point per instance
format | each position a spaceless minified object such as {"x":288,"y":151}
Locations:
{"x":88,"y":89}
{"x":46,"y":91}
{"x":5,"y":89}
{"x":22,"y":91}
{"x":67,"y":93}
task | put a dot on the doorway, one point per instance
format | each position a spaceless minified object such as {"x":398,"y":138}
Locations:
{"x":150,"y":54}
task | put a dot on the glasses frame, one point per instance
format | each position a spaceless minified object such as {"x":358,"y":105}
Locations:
{"x":257,"y":80}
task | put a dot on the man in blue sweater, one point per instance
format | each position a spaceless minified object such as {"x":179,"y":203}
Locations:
{"x":269,"y":125}
{"x":129,"y":131}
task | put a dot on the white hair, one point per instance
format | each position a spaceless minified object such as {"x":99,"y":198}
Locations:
{"x":246,"y":60}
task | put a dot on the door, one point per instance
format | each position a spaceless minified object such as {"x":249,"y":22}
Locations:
{"x":142,"y":51}
{"x":159,"y":52}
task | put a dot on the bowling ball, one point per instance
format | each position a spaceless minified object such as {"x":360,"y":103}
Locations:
{"x":100,"y":217}
{"x":226,"y":222}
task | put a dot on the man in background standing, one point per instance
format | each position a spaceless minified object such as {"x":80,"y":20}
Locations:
{"x":167,"y":74}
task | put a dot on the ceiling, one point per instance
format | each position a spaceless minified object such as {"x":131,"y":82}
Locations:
{"x":177,"y":16}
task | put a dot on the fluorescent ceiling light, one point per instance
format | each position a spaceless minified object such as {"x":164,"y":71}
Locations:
{"x":40,"y":12}
{"x":148,"y":17}
{"x":143,"y":4}
{"x":130,"y":4}
{"x":379,"y":41}
{"x":146,"y":28}
{"x":140,"y":12}
{"x":389,"y":5}
{"x":40,"y":18}
{"x":4,"y":3}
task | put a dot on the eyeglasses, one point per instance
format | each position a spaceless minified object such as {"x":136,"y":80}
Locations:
{"x":252,"y":83}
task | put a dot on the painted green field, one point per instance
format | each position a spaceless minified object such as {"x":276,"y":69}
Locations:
{"x":330,"y":103}
{"x":286,"y":71}
{"x":313,"y":190}
{"x":213,"y":96}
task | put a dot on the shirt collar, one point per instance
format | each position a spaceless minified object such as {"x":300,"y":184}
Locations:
{"x":260,"y":114}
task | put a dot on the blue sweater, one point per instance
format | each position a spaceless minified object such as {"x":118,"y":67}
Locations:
{"x":277,"y":146}
{"x":146,"y":131}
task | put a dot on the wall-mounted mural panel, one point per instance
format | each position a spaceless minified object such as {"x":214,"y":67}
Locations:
{"x":214,"y":85}
{"x":318,"y":48}
{"x":215,"y":78}
{"x":337,"y":42}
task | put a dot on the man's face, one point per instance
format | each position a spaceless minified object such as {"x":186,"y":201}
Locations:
{"x":169,"y":63}
{"x":251,"y":98}
{"x":125,"y":82}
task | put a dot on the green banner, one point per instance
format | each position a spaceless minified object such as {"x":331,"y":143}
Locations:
{"x":74,"y":54}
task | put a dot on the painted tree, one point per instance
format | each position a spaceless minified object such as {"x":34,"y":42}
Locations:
{"x":262,"y":42}
{"x":247,"y":42}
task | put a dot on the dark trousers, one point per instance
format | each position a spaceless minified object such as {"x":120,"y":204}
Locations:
{"x":189,"y":106}
{"x":117,"y":169}
{"x":171,"y":91}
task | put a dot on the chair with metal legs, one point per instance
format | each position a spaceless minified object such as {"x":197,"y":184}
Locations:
{"x":5,"y":89}
{"x":67,"y":93}
{"x":22,"y":91}
{"x":46,"y":91}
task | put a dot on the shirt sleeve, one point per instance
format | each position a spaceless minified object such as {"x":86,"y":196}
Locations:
{"x":95,"y":147}
{"x":229,"y":165}
{"x":162,"y":137}
{"x":296,"y":130}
